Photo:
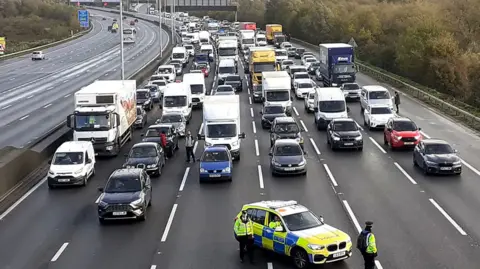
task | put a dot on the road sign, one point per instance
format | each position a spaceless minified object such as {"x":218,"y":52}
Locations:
{"x":3,"y":44}
{"x":83,"y":18}
{"x":352,"y":43}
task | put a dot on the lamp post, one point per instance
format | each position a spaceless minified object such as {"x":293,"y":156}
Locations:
{"x":172,"y":11}
{"x":121,"y":41}
{"x":160,"y":26}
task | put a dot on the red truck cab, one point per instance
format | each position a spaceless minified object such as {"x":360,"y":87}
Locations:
{"x":401,"y":133}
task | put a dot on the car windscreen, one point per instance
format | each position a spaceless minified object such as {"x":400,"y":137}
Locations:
{"x":305,"y":85}
{"x":273,"y":110}
{"x":143,"y":152}
{"x":155,"y":132}
{"x":332,"y":106}
{"x":301,"y":76}
{"x":301,"y":221}
{"x":142,"y":95}
{"x":165,"y":70}
{"x":300,"y":50}
{"x":351,"y":86}
{"x":215,"y":156}
{"x":67,"y":158}
{"x":281,"y":53}
{"x":404,"y":126}
{"x":226,"y":70}
{"x":188,"y":47}
{"x":345,"y":126}
{"x":224,"y":88}
{"x":227,"y":51}
{"x":175,"y":101}
{"x":196,"y":88}
{"x":123,"y":184}
{"x":286,"y":62}
{"x":278,"y":96}
{"x":381,"y":110}
{"x":290,"y":127}
{"x":222,"y":130}
{"x":170,"y":118}
{"x":438,"y":149}
{"x":257,"y":88}
{"x":288,"y":150}
{"x":379,"y":95}
{"x":159,"y":83}
{"x":232,"y":78}
{"x":310,"y":60}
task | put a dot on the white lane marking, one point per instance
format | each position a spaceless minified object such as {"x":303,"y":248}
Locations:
{"x":424,"y":134}
{"x":377,"y":263}
{"x":98,"y":199}
{"x":269,"y":265}
{"x":184,"y":179}
{"x":295,"y":110}
{"x":106,"y":74}
{"x":195,"y":147}
{"x":24,"y":117}
{"x":201,"y":128}
{"x":25,"y":196}
{"x":47,"y":105}
{"x":260,"y":176}
{"x":250,"y":100}
{"x":254,"y":128}
{"x":49,"y":88}
{"x":251,"y":112}
{"x":358,"y":125}
{"x":315,"y":146}
{"x":303,"y":125}
{"x":257,"y":151}
{"x":11,"y":79}
{"x":445,"y":214}
{"x":378,"y":146}
{"x":352,"y":216}
{"x":153,"y":267}
{"x":405,"y":173}
{"x":5,"y":107}
{"x":65,"y":81}
{"x":330,"y":175}
{"x":66,"y":96}
{"x":248,"y":89}
{"x":59,"y":252}
{"x":169,"y":223}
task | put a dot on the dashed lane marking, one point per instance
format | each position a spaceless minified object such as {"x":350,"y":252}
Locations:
{"x":260,"y":176}
{"x":257,"y":151}
{"x":254,"y":128}
{"x":184,"y":179}
{"x":59,"y":252}
{"x":251,"y":112}
{"x":47,"y":105}
{"x":378,"y":145}
{"x":295,"y":110}
{"x":303,"y":125}
{"x":169,"y":223}
{"x":405,"y":173}
{"x":330,"y":175}
{"x":450,"y":219}
{"x":315,"y":146}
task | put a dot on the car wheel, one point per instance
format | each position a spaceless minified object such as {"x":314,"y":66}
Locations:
{"x":300,"y":258}
{"x":360,"y":149}
{"x":150,"y":202}
{"x":85,"y":181}
{"x":102,"y":221}
{"x":425,"y":168}
{"x":415,"y":162}
{"x":332,"y":147}
{"x":159,"y":172}
{"x":385,"y":142}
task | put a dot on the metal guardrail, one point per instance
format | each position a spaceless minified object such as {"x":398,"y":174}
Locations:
{"x":445,"y":107}
{"x":46,"y":46}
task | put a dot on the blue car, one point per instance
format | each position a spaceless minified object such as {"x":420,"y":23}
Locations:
{"x":216,"y":164}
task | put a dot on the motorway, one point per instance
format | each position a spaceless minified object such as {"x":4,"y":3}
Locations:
{"x":38,"y":95}
{"x":419,"y":221}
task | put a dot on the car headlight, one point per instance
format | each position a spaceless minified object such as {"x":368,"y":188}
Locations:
{"x":208,"y":144}
{"x":457,"y":163}
{"x":302,"y":162}
{"x":79,"y":171}
{"x":334,"y":84}
{"x":430,"y":163}
{"x":102,"y":204}
{"x":276,"y":164}
{"x":417,"y":137}
{"x":181,"y":127}
{"x":137,"y":202}
{"x":202,"y":170}
{"x":397,"y":137}
{"x":50,"y":172}
{"x":299,"y":140}
{"x":336,"y":138}
{"x":151,"y":165}
{"x":358,"y":138}
{"x":235,"y":143}
{"x":315,"y":247}
{"x":226,"y":170}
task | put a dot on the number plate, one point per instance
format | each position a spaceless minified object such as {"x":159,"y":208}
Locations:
{"x":408,"y":143}
{"x":339,"y":254}
{"x":63,"y":180}
{"x":289,"y":169}
{"x":445,"y":168}
{"x":121,"y":213}
{"x":348,"y":144}
{"x":215,"y":175}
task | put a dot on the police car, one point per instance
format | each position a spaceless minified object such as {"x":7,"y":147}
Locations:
{"x":302,"y":235}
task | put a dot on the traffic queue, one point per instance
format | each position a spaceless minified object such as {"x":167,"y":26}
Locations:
{"x":276,"y":73}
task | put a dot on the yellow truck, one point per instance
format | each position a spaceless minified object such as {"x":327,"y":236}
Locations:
{"x":272,"y":30}
{"x":261,"y":59}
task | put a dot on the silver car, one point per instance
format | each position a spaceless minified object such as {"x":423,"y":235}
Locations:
{"x":309,"y":101}
{"x":375,"y":95}
{"x":177,"y":120}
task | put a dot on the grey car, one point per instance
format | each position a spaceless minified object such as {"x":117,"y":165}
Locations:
{"x":141,"y":120}
{"x":177,"y":120}
{"x":287,"y":158}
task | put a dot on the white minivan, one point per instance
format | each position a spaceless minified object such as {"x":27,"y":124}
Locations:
{"x":196,"y":83}
{"x":226,"y":68}
{"x":73,"y":164}
{"x":181,"y":54}
{"x":177,"y":98}
{"x":329,"y":103}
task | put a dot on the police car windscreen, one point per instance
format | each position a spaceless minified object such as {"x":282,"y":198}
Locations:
{"x":125,"y":183}
{"x":175,"y":101}
{"x":221,"y":130}
{"x":215,"y":156}
{"x":301,"y":221}
{"x":68,"y":158}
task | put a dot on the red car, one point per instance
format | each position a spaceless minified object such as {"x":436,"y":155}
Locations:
{"x":205,"y":69}
{"x":401,"y":133}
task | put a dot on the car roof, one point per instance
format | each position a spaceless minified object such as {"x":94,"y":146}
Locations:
{"x":301,"y":73}
{"x":126,"y":172}
{"x":172,"y":113}
{"x":287,"y":61}
{"x":378,"y":105}
{"x":216,"y":148}
{"x":343,"y":120}
{"x":402,"y":119}
{"x":72,"y":146}
{"x":286,"y":142}
{"x":283,"y":208}
{"x":374,"y":88}
{"x":303,"y":80}
{"x":143,"y":144}
{"x":153,"y":126}
{"x":143,"y":90}
{"x":284,"y":119}
{"x":273,"y":105}
{"x":432,"y":141}
{"x":296,"y":66}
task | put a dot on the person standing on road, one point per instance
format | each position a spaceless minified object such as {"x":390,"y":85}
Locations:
{"x":397,"y":101}
{"x":243,"y":229}
{"x":163,"y":142}
{"x":189,"y":141}
{"x":367,"y":246}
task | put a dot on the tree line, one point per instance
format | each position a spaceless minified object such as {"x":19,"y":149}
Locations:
{"x":31,"y":23}
{"x":435,"y":43}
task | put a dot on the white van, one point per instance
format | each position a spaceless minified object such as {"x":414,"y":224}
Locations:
{"x":73,"y":164}
{"x":375,"y":95}
{"x":196,"y":83}
{"x":329,"y":104}
{"x":181,"y":54}
{"x":168,"y":71}
{"x":207,"y":49}
{"x":177,"y":98}
{"x":226,"y":68}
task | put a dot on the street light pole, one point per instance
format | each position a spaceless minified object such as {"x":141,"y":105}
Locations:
{"x":173,"y":19}
{"x":121,"y":41}
{"x":160,"y":26}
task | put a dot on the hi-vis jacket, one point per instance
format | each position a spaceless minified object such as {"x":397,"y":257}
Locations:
{"x":241,"y":229}
{"x":371,"y":245}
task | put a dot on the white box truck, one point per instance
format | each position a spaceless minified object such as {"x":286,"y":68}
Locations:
{"x":276,"y":89}
{"x":247,"y":39}
{"x":196,"y":83}
{"x":104,"y":114}
{"x":221,"y":123}
{"x":227,"y":50}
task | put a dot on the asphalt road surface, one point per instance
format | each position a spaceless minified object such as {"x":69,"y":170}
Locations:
{"x":38,"y":95}
{"x":420,"y":222}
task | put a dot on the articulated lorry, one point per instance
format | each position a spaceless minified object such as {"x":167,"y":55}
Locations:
{"x":261,"y":59}
{"x":272,"y":30}
{"x":337,"y":65}
{"x":104,"y":114}
{"x":221,"y":119}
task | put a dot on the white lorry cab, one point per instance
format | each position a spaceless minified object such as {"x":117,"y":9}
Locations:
{"x":247,"y":39}
{"x":204,"y":37}
{"x":329,"y":103}
{"x":104,"y":114}
{"x":196,"y":83}
{"x":260,"y":40}
{"x":276,"y":87}
{"x":221,"y":119}
{"x":213,"y":27}
{"x":281,"y":55}
{"x":178,"y":99}
{"x":168,"y":72}
{"x":72,"y":164}
{"x":181,"y":54}
{"x":207,"y":49}
{"x":226,"y":67}
{"x":227,"y":50}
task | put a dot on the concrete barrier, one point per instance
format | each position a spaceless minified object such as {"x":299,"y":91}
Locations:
{"x":21,"y":169}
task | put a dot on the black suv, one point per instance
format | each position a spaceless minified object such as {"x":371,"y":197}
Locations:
{"x":285,"y":128}
{"x":148,"y":156}
{"x":127,"y":195}
{"x":144,"y":99}
{"x":153,"y":135}
{"x":435,"y":156}
{"x":141,"y":120}
{"x":299,"y":53}
{"x":344,"y":133}
{"x":257,"y":93}
{"x":235,"y":81}
{"x":269,"y":113}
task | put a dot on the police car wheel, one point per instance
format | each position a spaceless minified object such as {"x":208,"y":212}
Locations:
{"x":300,"y":258}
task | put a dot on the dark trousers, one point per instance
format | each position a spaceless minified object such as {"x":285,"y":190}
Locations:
{"x":369,"y":260}
{"x":190,"y":154}
{"x":398,"y":110}
{"x":246,"y":244}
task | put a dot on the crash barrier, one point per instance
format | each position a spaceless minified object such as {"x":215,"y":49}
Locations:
{"x":22,"y":168}
{"x":46,"y":46}
{"x":419,"y":94}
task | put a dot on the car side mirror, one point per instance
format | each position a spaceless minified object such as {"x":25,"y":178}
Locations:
{"x":89,"y":161}
{"x":50,"y":162}
{"x":242,"y":136}
{"x":261,"y":112}
{"x":270,"y":154}
{"x":321,"y":219}
{"x":456,"y":150}
{"x":315,"y":109}
{"x":389,"y":129}
{"x":348,"y":109}
{"x":100,"y":189}
{"x":419,"y":129}
{"x":200,"y":137}
{"x":279,"y":229}
{"x":142,"y":134}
